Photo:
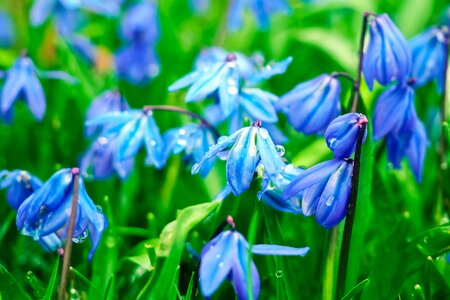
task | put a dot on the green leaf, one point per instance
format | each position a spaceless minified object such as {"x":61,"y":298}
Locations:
{"x":418,"y":10}
{"x":190,"y":287}
{"x":434,"y":242}
{"x":51,"y":283}
{"x":9,"y":287}
{"x":188,"y":218}
{"x":356,"y":290}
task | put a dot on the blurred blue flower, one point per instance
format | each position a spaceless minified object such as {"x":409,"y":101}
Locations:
{"x":226,"y":256}
{"x":99,"y":163}
{"x":194,"y":139}
{"x":108,"y":101}
{"x":20,"y":184}
{"x":137,"y":62}
{"x":272,"y":195}
{"x":260,"y":9}
{"x":325,"y":190}
{"x":250,"y":146}
{"x":342,"y":134}
{"x":312,"y":105}
{"x":199,"y":5}
{"x":22,"y":83}
{"x":45,"y":214}
{"x":6,"y":30}
{"x":140,"y":23}
{"x":428,"y":56}
{"x":394,"y":110}
{"x":411,"y":143}
{"x":83,"y":47}
{"x":134,"y":129}
{"x":388,"y":55}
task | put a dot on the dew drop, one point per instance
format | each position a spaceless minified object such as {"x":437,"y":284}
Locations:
{"x":221,"y":265}
{"x":280,"y":150}
{"x":81,"y":237}
{"x":279,"y":274}
{"x":232,"y":90}
{"x":332,"y":142}
{"x":182,"y":131}
{"x":329,"y":201}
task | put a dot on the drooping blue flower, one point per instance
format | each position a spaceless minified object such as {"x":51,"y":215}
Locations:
{"x":411,"y":143}
{"x":342,"y":134}
{"x":192,"y":139}
{"x":226,"y":256}
{"x":140,"y":23}
{"x":388,"y":55}
{"x":6,"y":30}
{"x":250,"y":146}
{"x":137,"y":62}
{"x":428,"y":56}
{"x":108,"y":101}
{"x":22,"y":83}
{"x":98,"y":161}
{"x":260,"y":9}
{"x":394,"y":110}
{"x":325,"y":190}
{"x":272,"y":195}
{"x":20,"y":184}
{"x":312,"y":105}
{"x":134,"y":129}
{"x":45,"y":214}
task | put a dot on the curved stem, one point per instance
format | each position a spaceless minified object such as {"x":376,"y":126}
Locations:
{"x":184,"y":112}
{"x":351,"y":209}
{"x":357,"y":82}
{"x":343,"y":75}
{"x":68,"y":249}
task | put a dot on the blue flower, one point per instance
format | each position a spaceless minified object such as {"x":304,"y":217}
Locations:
{"x":388,"y":55}
{"x":272,"y":195}
{"x":312,"y":105}
{"x":83,"y":47}
{"x":394,"y":110}
{"x":261,"y":10}
{"x":342,"y":134}
{"x":6,"y":30}
{"x":428,"y":56}
{"x":226,"y":256}
{"x":250,"y":146}
{"x":137,"y":62}
{"x":325,"y":190}
{"x":45,"y":214}
{"x":134,"y":129}
{"x":20,"y":184}
{"x":413,"y":144}
{"x":139,"y":23}
{"x":22,"y":83}
{"x":108,"y":101}
{"x":195,"y":140}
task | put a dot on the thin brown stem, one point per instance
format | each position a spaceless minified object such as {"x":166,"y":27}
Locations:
{"x":357,"y":82}
{"x":185,"y":112}
{"x":70,"y":230}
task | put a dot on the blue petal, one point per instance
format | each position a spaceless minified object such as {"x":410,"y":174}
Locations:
{"x":279,"y":250}
{"x":258,"y":104}
{"x":41,"y":10}
{"x":270,"y":157}
{"x":207,"y":83}
{"x":154,"y":144}
{"x":16,"y":79}
{"x":229,"y":88}
{"x":34,"y":96}
{"x":311,"y":196}
{"x":130,"y":140}
{"x":185,"y":81}
{"x":416,"y":150}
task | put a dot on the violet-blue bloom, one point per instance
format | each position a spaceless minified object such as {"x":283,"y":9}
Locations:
{"x":22,"y":83}
{"x":134,"y":129}
{"x":226,"y":256}
{"x":140,"y":23}
{"x":325,"y":190}
{"x":20,"y":184}
{"x":249,"y":146}
{"x":45,"y":214}
{"x":388,"y":55}
{"x":312,"y":105}
{"x":108,"y":101}
{"x":342,"y":134}
{"x":6,"y":30}
{"x":412,"y":144}
{"x":428,"y":56}
{"x":260,"y":9}
{"x":394,"y":110}
{"x":192,"y":139}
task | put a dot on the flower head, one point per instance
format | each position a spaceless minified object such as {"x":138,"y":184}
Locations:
{"x":45,"y":214}
{"x":20,"y":184}
{"x":312,"y":105}
{"x":6,"y":30}
{"x":250,"y":146}
{"x":342,"y":134}
{"x":192,"y":139}
{"x":428,"y":56}
{"x":226,"y":256}
{"x":22,"y":83}
{"x":325,"y":190}
{"x":132,"y":130}
{"x":139,"y":23}
{"x":388,"y":55}
{"x":394,"y":110}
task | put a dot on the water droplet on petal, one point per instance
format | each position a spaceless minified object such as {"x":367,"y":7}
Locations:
{"x":81,"y":237}
{"x":279,"y":274}
{"x":232,"y":90}
{"x":280,"y":149}
{"x":329,"y":201}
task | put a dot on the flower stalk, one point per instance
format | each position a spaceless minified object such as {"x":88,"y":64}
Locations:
{"x":68,"y":249}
